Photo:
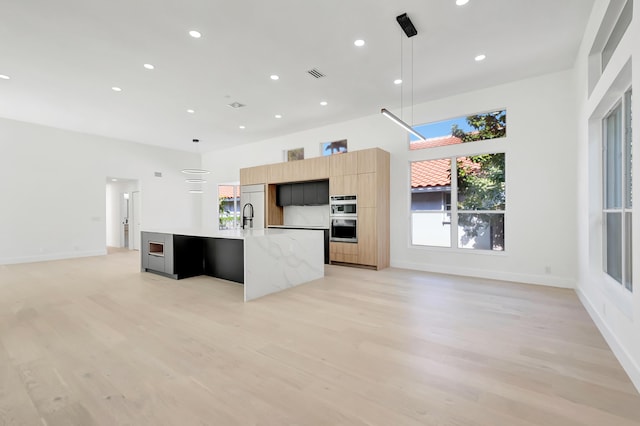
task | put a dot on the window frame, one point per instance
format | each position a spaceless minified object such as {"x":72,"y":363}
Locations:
{"x":624,"y":106}
{"x":454,"y":210}
{"x":236,"y":205}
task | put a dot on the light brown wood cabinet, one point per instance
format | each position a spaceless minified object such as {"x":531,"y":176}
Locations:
{"x":298,"y":171}
{"x":343,"y":164}
{"x":368,"y":161}
{"x":367,"y":190}
{"x":254,"y":175}
{"x":343,"y":252}
{"x":367,"y":236}
{"x":363,"y":173}
{"x":343,"y":185}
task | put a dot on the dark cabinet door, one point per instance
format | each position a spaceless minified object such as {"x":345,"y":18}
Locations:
{"x":322,"y":192}
{"x":310,"y":191}
{"x":283,"y":197}
{"x":224,"y":258}
{"x":187,"y":256}
{"x":297,"y":194}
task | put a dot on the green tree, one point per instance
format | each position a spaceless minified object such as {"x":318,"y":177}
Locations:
{"x":481,"y":179}
{"x":490,"y":125}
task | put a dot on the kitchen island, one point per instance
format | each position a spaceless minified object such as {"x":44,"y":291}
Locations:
{"x":265,"y":261}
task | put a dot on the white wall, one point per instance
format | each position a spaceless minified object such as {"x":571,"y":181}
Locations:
{"x":614,"y":310}
{"x":52,"y":184}
{"x":540,"y":148}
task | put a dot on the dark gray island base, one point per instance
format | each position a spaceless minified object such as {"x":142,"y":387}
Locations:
{"x":183,"y":256}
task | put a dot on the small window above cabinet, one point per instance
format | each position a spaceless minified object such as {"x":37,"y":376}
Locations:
{"x":312,"y":193}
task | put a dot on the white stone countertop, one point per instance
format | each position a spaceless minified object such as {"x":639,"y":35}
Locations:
{"x":298,"y":227}
{"x":237,"y":234}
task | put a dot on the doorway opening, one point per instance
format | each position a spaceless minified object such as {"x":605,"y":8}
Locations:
{"x":123,"y":214}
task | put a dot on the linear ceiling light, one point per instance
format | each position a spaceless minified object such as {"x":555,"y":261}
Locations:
{"x":401,"y":123}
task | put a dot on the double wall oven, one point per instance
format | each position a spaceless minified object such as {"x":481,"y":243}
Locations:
{"x":344,"y":218}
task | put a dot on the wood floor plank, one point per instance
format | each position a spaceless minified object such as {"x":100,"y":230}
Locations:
{"x":16,"y":407}
{"x":93,"y":341}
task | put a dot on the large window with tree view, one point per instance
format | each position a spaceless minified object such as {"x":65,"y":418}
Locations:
{"x":466,"y":211}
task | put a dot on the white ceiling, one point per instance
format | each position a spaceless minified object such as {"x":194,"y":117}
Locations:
{"x":64,"y":56}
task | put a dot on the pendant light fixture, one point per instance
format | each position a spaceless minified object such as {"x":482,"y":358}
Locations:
{"x":197,"y":172}
{"x":410,"y":30}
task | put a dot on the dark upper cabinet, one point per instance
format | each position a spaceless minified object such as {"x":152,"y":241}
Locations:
{"x":322,"y":194}
{"x":310,"y":193}
{"x":303,"y":194}
{"x":297,"y":194}
{"x":283,"y":197}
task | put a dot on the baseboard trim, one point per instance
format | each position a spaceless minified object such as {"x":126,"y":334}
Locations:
{"x":545,"y":280}
{"x":51,"y":256}
{"x":628,"y":363}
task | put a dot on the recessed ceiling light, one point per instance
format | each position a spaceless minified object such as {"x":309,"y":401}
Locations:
{"x":148,"y":66}
{"x":195,"y":191}
{"x":461,"y":2}
{"x":359,"y":43}
{"x":278,"y":116}
{"x":324,"y":103}
{"x":242,"y":127}
{"x":5,"y":77}
{"x":114,"y":180}
{"x":480,"y":58}
{"x":116,"y":89}
{"x":397,"y":81}
{"x":195,"y":181}
{"x":195,"y":34}
{"x":190,"y":111}
{"x":274,"y":77}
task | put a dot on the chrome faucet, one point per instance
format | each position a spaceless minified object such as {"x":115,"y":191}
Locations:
{"x":247,"y":219}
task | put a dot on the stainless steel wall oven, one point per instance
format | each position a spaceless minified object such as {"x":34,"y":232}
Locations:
{"x":344,"y":218}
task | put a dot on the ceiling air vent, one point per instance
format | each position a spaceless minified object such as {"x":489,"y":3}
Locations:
{"x":314,"y":72}
{"x":236,"y":105}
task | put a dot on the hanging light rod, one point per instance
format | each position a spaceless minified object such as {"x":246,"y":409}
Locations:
{"x":401,"y":123}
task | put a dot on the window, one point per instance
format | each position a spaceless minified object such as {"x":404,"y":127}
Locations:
{"x":476,"y":127}
{"x":617,"y":198}
{"x":228,"y":206}
{"x":617,"y":33}
{"x":613,"y":28}
{"x":468,"y":210}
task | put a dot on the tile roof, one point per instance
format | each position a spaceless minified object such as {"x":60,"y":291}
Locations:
{"x":225,"y":191}
{"x":432,"y":173}
{"x":434,"y":142}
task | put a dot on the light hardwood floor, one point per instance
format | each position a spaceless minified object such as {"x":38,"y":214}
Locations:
{"x":95,"y":342}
